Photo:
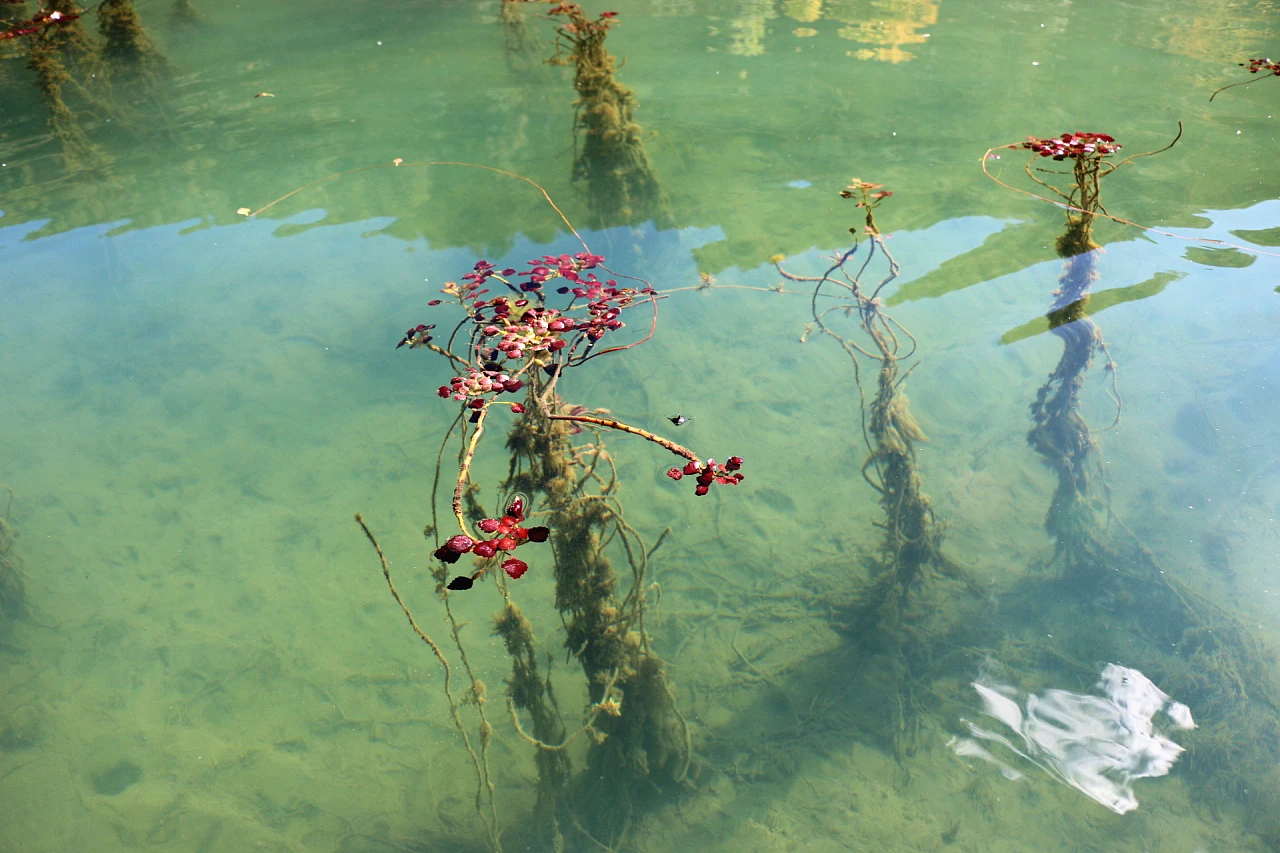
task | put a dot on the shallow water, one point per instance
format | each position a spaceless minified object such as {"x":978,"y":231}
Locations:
{"x":196,"y":403}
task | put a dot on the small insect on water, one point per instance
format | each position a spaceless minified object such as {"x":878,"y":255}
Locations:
{"x":679,"y":420}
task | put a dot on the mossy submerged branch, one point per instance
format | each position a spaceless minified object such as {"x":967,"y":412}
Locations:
{"x":622,"y":187}
{"x":892,"y":617}
{"x":13,"y":589}
{"x":911,"y":545}
{"x":531,"y":692}
{"x":641,"y":742}
{"x":128,"y":49}
{"x":78,"y":153}
{"x":518,"y":43}
{"x":183,"y":14}
{"x":56,"y":45}
{"x":73,"y":42}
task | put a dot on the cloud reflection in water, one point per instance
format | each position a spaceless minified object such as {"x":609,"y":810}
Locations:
{"x":1099,"y":745}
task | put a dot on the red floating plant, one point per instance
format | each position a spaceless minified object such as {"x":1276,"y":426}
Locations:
{"x":578,"y":20}
{"x":724,"y":475}
{"x":508,"y":534}
{"x":1256,"y":65}
{"x":1073,"y":146}
{"x":38,"y":23}
{"x":514,"y":567}
{"x":514,"y":338}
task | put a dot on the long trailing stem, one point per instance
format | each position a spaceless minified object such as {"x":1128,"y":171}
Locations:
{"x":464,"y":469}
{"x":479,"y":759}
{"x":1254,"y":66}
{"x":608,"y":423}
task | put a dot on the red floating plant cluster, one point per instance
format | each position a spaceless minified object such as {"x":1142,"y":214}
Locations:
{"x":1074,"y":146}
{"x":478,"y":383}
{"x":579,"y":23}
{"x":568,"y":267}
{"x":511,"y":333}
{"x":508,"y":534}
{"x":1256,"y":65}
{"x":41,"y":21}
{"x":725,"y":475}
{"x":506,"y":341}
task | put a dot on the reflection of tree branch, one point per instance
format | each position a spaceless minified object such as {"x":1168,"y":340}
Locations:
{"x":1098,"y":303}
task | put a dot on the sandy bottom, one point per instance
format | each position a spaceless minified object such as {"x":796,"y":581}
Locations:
{"x":212,"y":661}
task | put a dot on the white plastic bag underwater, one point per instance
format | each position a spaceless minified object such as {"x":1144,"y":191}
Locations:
{"x":1099,"y":745}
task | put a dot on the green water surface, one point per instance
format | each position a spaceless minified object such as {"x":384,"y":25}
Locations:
{"x":194,"y":403}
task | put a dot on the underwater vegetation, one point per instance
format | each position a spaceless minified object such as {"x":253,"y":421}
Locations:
{"x":66,"y":60}
{"x":514,"y":337}
{"x":910,"y":553}
{"x":912,"y":634}
{"x":621,"y":185}
{"x":566,"y":690}
{"x":184,"y":14}
{"x":13,"y":590}
{"x":48,"y":38}
{"x":130,"y":52}
{"x":1192,"y":647}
